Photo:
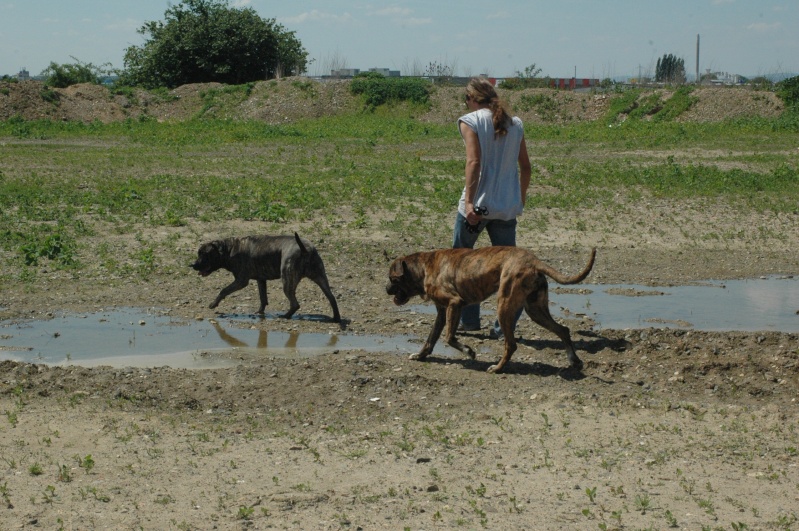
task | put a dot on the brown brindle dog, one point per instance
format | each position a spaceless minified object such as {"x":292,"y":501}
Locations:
{"x":454,"y":278}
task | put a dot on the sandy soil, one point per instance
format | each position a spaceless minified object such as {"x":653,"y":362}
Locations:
{"x":665,"y":427}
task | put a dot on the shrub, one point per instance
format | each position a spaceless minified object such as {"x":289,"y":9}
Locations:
{"x":62,"y":76}
{"x":378,"y":89}
{"x":55,"y":247}
{"x":544,"y":104}
{"x":761,"y":83}
{"x":788,"y":91}
{"x":49,"y":95}
{"x":680,"y":101}
{"x":624,"y":104}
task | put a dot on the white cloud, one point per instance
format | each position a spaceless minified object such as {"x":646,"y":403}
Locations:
{"x":393,"y":12}
{"x":763,"y":26}
{"x":123,"y":25}
{"x":315,"y":15}
{"x":402,"y":16}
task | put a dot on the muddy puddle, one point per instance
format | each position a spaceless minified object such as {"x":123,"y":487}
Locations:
{"x":152,"y":338}
{"x":768,"y":304}
{"x":130,"y":337}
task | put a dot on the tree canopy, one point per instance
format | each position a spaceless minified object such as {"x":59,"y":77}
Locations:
{"x":670,"y":69}
{"x":206,"y":40}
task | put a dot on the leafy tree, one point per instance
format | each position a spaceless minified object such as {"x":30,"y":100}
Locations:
{"x":206,"y":40}
{"x":530,"y":72}
{"x":670,"y":69}
{"x":607,"y":83}
{"x":62,"y":76}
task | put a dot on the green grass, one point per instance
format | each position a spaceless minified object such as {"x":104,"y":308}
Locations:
{"x":58,"y":178}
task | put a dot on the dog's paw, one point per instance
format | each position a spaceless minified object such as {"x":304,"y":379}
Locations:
{"x":493,"y":369}
{"x":417,"y":357}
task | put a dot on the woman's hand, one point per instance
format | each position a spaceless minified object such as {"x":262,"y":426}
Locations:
{"x":472,"y":217}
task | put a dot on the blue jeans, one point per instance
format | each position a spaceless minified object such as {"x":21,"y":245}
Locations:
{"x":500,"y":232}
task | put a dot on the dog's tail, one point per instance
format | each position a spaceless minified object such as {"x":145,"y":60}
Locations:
{"x":560,"y":278}
{"x":303,"y":250}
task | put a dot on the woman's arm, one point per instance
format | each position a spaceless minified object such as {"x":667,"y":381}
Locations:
{"x":472,"y":170}
{"x":525,"y":170}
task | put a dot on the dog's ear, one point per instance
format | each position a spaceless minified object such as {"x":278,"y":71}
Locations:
{"x":406,"y":271}
{"x":206,"y":249}
{"x":224,"y":248}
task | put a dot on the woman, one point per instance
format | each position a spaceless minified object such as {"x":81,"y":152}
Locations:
{"x":497,"y":177}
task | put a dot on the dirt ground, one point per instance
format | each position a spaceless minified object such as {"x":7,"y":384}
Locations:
{"x":666,"y":427}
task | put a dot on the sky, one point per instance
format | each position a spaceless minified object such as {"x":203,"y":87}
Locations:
{"x":498,"y":38}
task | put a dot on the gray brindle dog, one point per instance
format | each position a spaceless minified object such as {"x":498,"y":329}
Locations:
{"x":263,"y":258}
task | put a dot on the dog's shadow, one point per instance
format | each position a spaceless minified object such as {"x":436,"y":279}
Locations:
{"x":512,"y":367}
{"x":596,"y":344}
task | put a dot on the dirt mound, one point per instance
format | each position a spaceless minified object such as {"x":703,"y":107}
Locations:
{"x":297,"y":98}
{"x":718,"y":104}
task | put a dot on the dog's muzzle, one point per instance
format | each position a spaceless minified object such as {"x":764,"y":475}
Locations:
{"x":202,"y":271}
{"x":400,"y":297}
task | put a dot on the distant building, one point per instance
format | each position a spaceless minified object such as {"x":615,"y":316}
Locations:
{"x":23,"y":75}
{"x":386,"y":72}
{"x":345,"y":72}
{"x":573,"y":83}
{"x":722,"y":78}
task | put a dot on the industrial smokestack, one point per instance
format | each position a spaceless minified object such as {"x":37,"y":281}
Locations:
{"x":697,"y":59}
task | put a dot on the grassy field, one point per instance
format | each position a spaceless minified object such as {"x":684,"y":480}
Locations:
{"x":57,"y":178}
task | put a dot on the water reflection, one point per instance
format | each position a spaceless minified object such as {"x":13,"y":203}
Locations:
{"x":139,"y":338}
{"x":285,"y":341}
